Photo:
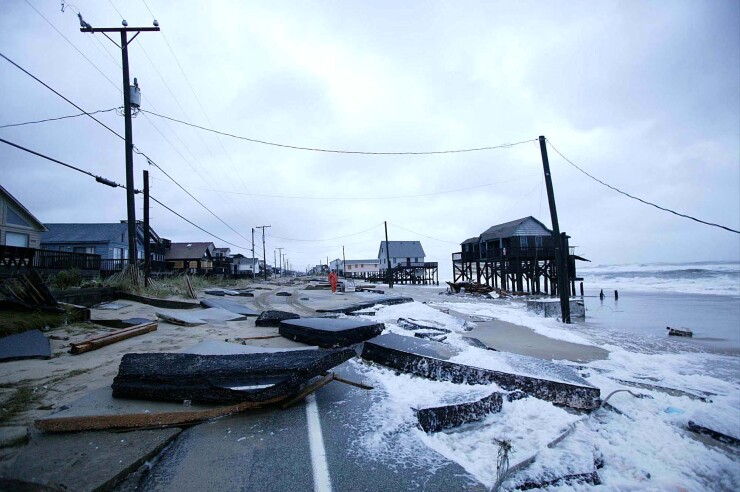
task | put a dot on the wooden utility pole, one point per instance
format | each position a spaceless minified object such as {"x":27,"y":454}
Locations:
{"x":561,"y":257}
{"x":264,"y":252}
{"x":147,"y":247}
{"x":130,"y":202}
{"x":253,"y":275}
{"x":344,"y":264}
{"x":388,"y":256}
{"x":281,"y":260}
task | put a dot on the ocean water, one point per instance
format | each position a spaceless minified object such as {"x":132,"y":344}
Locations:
{"x":704,"y":297}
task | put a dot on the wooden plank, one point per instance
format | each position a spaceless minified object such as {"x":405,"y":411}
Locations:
{"x":145,"y":420}
{"x":309,"y":389}
{"x":102,"y":341}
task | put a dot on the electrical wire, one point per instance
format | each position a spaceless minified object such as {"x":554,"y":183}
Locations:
{"x":113,"y":184}
{"x":640,"y":199}
{"x":60,"y":95}
{"x":327,"y":239}
{"x":423,"y":235}
{"x":58,"y":118}
{"x":99,"y":179}
{"x":336,"y":151}
{"x":355,"y":198}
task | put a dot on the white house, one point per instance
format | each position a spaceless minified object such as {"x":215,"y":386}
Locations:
{"x":405,"y":253}
{"x":246,"y":266}
{"x":355,"y":266}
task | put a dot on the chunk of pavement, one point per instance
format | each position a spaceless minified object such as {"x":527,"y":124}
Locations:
{"x":221,"y":378}
{"x":31,"y":344}
{"x":446,"y":417}
{"x":273,"y":317}
{"x":83,"y":461}
{"x":712,"y":425}
{"x":217,"y":347}
{"x":12,"y":435}
{"x":474,"y":342}
{"x":229,"y":305}
{"x":284,"y":294}
{"x":415,"y":324}
{"x":215,"y":292}
{"x":384,"y":301}
{"x":536,"y":377}
{"x":330,"y":332}
{"x":199,"y":317}
{"x":120,"y":323}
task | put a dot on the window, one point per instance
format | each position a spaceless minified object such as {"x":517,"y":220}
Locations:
{"x":16,"y":239}
{"x":524,"y":241}
{"x":538,"y":241}
{"x":14,"y":218}
{"x":84,"y":249}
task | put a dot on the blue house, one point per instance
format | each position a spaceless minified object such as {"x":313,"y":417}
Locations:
{"x":110,"y":241}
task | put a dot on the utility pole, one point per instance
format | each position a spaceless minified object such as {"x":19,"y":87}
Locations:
{"x":127,"y":89}
{"x":388,"y":256}
{"x":253,"y":276}
{"x":147,"y":252}
{"x":264,"y":253}
{"x":281,"y":260}
{"x":274,"y":260}
{"x":561,"y":257}
{"x":344,"y":264}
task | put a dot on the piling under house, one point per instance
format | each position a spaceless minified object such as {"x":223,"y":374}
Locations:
{"x":517,"y":256}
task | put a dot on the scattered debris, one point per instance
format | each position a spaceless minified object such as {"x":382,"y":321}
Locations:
{"x":469,"y":288}
{"x":474,"y":342}
{"x":116,"y":336}
{"x":679,"y":332}
{"x":709,"y":425}
{"x":588,"y":478}
{"x":415,"y":324}
{"x":228,"y":305}
{"x":328,"y":332}
{"x":385,"y":301}
{"x":449,"y":416}
{"x":190,"y":290}
{"x":221,"y":378}
{"x":284,"y":294}
{"x":273,"y":318}
{"x":536,"y":377}
{"x":215,"y":292}
{"x":30,"y":291}
{"x":31,"y":344}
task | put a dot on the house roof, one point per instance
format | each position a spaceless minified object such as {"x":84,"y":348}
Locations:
{"x":222,"y":250}
{"x":404,"y":249}
{"x":85,"y":233}
{"x":526,"y":226}
{"x":187,"y":251}
{"x":23,"y":210}
{"x":471,"y":240}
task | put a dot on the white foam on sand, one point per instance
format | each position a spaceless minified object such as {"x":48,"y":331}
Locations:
{"x":647,"y":447}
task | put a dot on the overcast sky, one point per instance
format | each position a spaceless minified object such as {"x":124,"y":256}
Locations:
{"x":643,"y":95}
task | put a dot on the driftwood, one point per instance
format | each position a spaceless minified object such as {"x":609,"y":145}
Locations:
{"x":116,"y":336}
{"x":470,"y":287}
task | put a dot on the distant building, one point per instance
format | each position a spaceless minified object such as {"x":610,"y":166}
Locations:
{"x":362,"y":266}
{"x":18,"y":226}
{"x":246,"y":266}
{"x":403,"y":253}
{"x":221,"y":252}
{"x":192,"y":257}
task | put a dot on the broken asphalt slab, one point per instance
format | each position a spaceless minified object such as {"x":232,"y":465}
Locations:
{"x":330,"y":332}
{"x":537,"y":377}
{"x":230,"y":378}
{"x":385,"y":301}
{"x":31,"y":344}
{"x":273,"y":318}
{"x":231,"y":306}
{"x":200,"y":317}
{"x":83,"y":461}
{"x":436,"y":419}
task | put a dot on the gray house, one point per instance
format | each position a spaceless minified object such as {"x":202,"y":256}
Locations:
{"x":18,"y":226}
{"x":522,"y":237}
{"x":404,"y":253}
{"x":191,"y":257}
{"x":110,"y":241}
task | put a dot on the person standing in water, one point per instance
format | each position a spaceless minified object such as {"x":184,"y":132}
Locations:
{"x":601,"y":294}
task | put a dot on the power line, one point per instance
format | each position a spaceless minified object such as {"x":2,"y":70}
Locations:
{"x":640,"y":199}
{"x":335,"y":151}
{"x":58,"y":118}
{"x":58,"y":94}
{"x":99,"y":179}
{"x":355,"y":198}
{"x":113,"y":184}
{"x":327,"y":239}
{"x":73,"y":45}
{"x":423,"y":235}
